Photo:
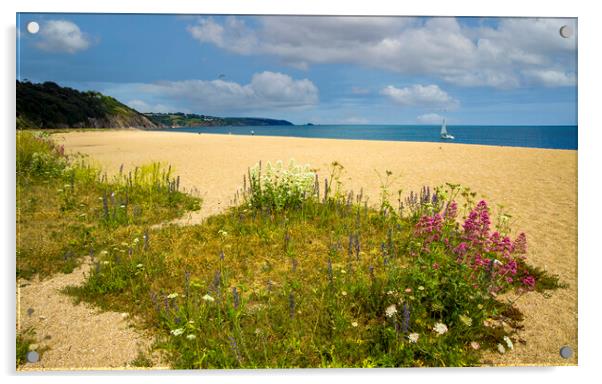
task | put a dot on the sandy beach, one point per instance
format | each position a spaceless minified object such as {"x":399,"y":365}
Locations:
{"x":538,"y":187}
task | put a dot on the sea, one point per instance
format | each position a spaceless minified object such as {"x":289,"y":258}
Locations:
{"x":533,"y":136}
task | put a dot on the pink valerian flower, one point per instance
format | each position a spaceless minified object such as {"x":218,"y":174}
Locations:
{"x":499,"y":244}
{"x":508,"y":268}
{"x":520,"y":244}
{"x":451,"y":211}
{"x":429,"y":224}
{"x":479,"y":261}
{"x":461,"y":249}
{"x":430,"y":228}
{"x":529,"y":281}
{"x":476,"y":225}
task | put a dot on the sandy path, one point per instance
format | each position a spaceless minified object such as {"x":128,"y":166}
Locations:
{"x":537,"y":186}
{"x":77,"y":336}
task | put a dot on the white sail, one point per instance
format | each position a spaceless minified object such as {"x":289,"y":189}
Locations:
{"x":444,"y":134}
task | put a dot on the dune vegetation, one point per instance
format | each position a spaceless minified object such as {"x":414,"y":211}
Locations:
{"x":299,"y":272}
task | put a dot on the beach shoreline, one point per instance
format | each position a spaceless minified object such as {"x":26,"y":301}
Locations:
{"x":447,"y":142}
{"x":537,"y":186}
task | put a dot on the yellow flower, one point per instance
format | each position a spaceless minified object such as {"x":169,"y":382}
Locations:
{"x":466,"y":320}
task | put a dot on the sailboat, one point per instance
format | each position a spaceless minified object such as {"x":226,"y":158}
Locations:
{"x":444,"y":134}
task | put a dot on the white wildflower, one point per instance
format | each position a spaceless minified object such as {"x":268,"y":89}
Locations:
{"x":172,"y":295}
{"x":501,"y":348}
{"x":440,"y":328}
{"x":413,"y":337}
{"x":390,"y":293}
{"x":391,"y":310}
{"x":421,"y":288}
{"x":474,"y":345}
{"x":139,"y":266}
{"x":208,"y":298}
{"x":136,"y":240}
{"x":508,"y":342}
{"x":354,"y":324}
{"x":344,"y":293}
{"x":191,"y":337}
{"x":177,"y":331}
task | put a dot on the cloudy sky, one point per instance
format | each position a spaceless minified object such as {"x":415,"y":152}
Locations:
{"x":328,"y":70}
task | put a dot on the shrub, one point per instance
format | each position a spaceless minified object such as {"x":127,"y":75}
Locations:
{"x":278,"y":187}
{"x":38,"y":156}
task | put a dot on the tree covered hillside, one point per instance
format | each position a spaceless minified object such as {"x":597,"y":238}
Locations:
{"x":48,"y":105}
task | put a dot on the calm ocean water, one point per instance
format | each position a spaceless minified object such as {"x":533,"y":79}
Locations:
{"x":549,"y":136}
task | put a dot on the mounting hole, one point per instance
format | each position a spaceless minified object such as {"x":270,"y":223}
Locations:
{"x":33,"y":357}
{"x":566,"y":352}
{"x":566,"y":31}
{"x":33,"y":27}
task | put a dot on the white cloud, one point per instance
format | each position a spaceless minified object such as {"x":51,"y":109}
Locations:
{"x":61,"y":36}
{"x":493,"y":56}
{"x":420,"y":95}
{"x":551,"y":78}
{"x":143,"y":106}
{"x":429,"y":118}
{"x":265,"y":90}
{"x":233,"y":35}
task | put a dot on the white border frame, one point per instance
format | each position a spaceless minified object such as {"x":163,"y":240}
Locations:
{"x":590,"y":129}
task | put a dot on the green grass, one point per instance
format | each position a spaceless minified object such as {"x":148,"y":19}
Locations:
{"x":24,"y":340}
{"x":142,"y":361}
{"x":67,"y":209}
{"x":321,"y":280}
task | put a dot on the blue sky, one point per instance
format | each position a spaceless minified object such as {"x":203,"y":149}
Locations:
{"x":328,"y":70}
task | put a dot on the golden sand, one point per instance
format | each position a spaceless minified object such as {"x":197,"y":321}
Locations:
{"x":537,"y":186}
